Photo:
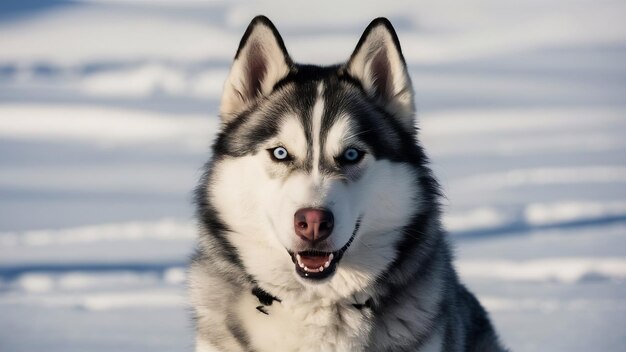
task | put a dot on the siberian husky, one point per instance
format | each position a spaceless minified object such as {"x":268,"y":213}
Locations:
{"x":319,"y":217}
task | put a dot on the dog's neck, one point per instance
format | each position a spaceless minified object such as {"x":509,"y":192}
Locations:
{"x":267,"y":299}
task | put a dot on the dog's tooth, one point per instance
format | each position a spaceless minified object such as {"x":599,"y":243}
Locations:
{"x":321,"y":268}
{"x":330,"y":257}
{"x":301,"y":265}
{"x":327,"y":264}
{"x":306,"y":268}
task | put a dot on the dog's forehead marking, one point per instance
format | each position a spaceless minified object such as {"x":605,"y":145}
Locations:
{"x":292,"y":136}
{"x":338,"y":136}
{"x":316,"y":129}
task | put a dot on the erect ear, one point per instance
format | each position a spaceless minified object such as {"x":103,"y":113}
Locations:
{"x":260,"y":62}
{"x":377,"y":62}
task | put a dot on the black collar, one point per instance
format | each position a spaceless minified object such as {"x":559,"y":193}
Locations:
{"x":266,"y":299}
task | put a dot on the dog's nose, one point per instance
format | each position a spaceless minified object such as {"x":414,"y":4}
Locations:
{"x":313,"y":224}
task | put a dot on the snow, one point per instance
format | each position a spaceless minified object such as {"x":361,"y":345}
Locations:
{"x":547,"y":176}
{"x":163,"y":230}
{"x":476,"y":218}
{"x":103,"y":126}
{"x":153,"y":79}
{"x":542,"y":214}
{"x":108,"y":109}
{"x":565,"y":270}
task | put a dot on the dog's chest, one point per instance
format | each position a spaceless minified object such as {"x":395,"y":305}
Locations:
{"x":303,"y":326}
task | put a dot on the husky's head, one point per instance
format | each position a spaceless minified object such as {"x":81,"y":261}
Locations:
{"x":316,"y":171}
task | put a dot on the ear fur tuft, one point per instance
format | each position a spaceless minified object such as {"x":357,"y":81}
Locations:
{"x":261,"y":61}
{"x":377,"y":62}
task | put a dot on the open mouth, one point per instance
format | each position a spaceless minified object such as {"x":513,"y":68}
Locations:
{"x":319,"y":265}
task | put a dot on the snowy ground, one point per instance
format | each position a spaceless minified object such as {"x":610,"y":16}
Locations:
{"x":107,"y":109}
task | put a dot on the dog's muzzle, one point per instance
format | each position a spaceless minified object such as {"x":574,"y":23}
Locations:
{"x":317,"y":264}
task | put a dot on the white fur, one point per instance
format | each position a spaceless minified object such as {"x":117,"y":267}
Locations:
{"x":205,"y":346}
{"x":304,"y":326}
{"x":259,"y":207}
{"x":316,"y":124}
{"x":257,"y":198}
{"x":258,"y":203}
{"x":339,"y":136}
{"x":291,"y":136}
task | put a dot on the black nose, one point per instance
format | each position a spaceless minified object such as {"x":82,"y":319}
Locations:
{"x":312,"y":224}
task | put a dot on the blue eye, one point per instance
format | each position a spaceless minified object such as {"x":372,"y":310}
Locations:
{"x":352,"y":155}
{"x":280,"y":153}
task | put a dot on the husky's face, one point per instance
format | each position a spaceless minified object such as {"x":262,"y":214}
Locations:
{"x":315,"y":170}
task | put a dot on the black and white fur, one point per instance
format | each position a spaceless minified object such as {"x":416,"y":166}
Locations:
{"x":391,"y":286}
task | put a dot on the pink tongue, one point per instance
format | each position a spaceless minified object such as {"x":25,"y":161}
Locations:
{"x":313,"y":262}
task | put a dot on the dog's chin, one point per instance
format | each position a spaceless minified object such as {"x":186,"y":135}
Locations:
{"x":317,"y":266}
